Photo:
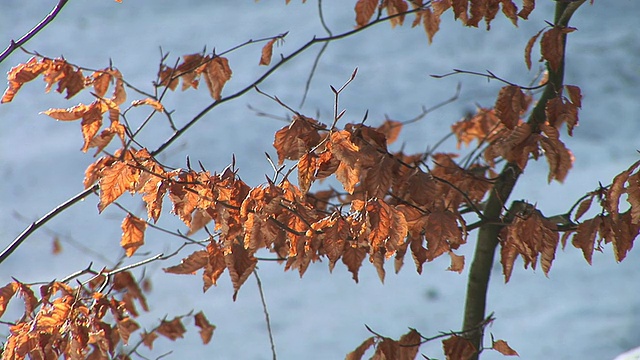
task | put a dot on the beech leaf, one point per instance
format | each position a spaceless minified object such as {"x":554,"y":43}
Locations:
{"x":206,"y":329}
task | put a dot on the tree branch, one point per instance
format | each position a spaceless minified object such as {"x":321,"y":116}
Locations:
{"x":480,"y":270}
{"x":13,"y":45}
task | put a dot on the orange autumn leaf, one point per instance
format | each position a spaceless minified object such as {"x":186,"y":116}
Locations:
{"x":114,"y":181}
{"x":477,"y":11}
{"x":391,"y":129}
{"x":527,"y":8}
{"x":529,"y":47}
{"x":20,"y":74}
{"x":53,"y":316}
{"x":396,"y":10}
{"x":192,"y":263}
{"x":344,"y":149}
{"x":217,"y":72}
{"x":510,"y":104}
{"x":296,"y":139}
{"x":267,"y":52}
{"x":30,"y":300}
{"x":240,"y":263}
{"x":215,"y":267}
{"x":6,"y":293}
{"x":100,"y":81}
{"x":364,"y":11}
{"x":509,"y":9}
{"x":91,"y":123}
{"x":361,"y":349}
{"x":133,"y":229}
{"x":172,"y":330}
{"x":559,"y":157}
{"x":431,"y":23}
{"x":552,"y":45}
{"x":306,"y":171}
{"x":206,"y":329}
{"x":56,"y":246}
{"x":69,"y":114}
{"x":348,"y":176}
{"x":503,"y":348}
{"x":352,"y":258}
{"x":125,"y":328}
{"x":409,"y":345}
{"x":458,"y":348}
{"x":149,"y":101}
{"x":148,"y":339}
{"x":530,"y":236}
{"x":460,"y":10}
{"x":483,"y":127}
{"x":67,"y":76}
{"x":457,"y":262}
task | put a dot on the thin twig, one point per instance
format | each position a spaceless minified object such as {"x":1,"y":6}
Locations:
{"x":488,"y":75}
{"x":266,"y":314}
{"x":267,"y":73}
{"x":43,"y":220}
{"x":13,"y":45}
{"x":307,"y":85}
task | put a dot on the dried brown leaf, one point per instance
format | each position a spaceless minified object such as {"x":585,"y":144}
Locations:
{"x":458,"y":348}
{"x":127,"y":326}
{"x":503,"y":348}
{"x":361,"y":349}
{"x":206,"y":329}
{"x":172,"y":330}
{"x":457,"y":262}
{"x":509,"y":105}
{"x":6,"y":293}
{"x":132,"y":234}
{"x":529,"y":47}
{"x":352,"y":257}
{"x":20,"y":74}
{"x":527,"y":8}
{"x":217,"y":73}
{"x":509,"y":9}
{"x":192,"y":263}
{"x":149,"y":101}
{"x":364,"y":11}
{"x":267,"y":52}
{"x":240,"y":264}
{"x":114,"y":181}
{"x":552,"y":46}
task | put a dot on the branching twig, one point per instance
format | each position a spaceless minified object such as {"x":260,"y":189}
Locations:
{"x":267,"y":73}
{"x":266,"y":315}
{"x":488,"y":75}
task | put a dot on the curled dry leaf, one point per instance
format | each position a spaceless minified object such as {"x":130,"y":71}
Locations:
{"x":149,"y":101}
{"x":6,"y":293}
{"x":267,"y":52}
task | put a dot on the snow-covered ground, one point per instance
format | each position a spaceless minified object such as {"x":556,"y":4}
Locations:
{"x":579,"y":312}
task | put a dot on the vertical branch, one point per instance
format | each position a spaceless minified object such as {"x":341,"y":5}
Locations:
{"x":480,"y":271}
{"x":266,"y":315}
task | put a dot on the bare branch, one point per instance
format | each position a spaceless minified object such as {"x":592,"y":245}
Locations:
{"x":13,"y":45}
